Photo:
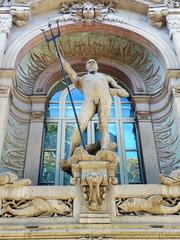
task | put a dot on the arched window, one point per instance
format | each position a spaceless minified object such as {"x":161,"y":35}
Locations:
{"x":59,"y":126}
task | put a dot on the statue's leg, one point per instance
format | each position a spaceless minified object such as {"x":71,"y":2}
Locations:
{"x":87,"y":111}
{"x":104,"y":114}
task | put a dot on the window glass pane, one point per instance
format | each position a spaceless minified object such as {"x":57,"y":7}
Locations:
{"x":53,"y":110}
{"x":50,"y":136}
{"x":55,"y":97}
{"x":48,"y":167}
{"x":76,"y":95}
{"x":130,"y":136}
{"x":66,"y":179}
{"x":125,"y":100}
{"x":69,"y":110}
{"x":127,"y":110}
{"x":112,"y":132}
{"x":132,"y":162}
{"x":112,"y":110}
{"x":68,"y":136}
{"x":118,"y":175}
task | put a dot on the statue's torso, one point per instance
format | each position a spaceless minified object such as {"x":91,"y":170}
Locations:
{"x":95,"y":86}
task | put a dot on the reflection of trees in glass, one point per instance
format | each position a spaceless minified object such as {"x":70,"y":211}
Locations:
{"x":51,"y":136}
{"x":48,"y":173}
{"x":133,"y":170}
{"x":66,"y":180}
{"x":118,"y":173}
{"x":68,"y":135}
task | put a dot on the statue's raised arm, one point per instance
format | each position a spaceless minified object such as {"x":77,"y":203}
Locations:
{"x":115,"y":89}
{"x":70,"y":71}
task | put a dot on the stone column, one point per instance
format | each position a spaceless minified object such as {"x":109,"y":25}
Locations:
{"x":5,"y":27}
{"x":173,"y":24}
{"x":175,"y":88}
{"x":35,"y":138}
{"x":4,"y":112}
{"x":146,"y":134}
{"x":6,"y":77}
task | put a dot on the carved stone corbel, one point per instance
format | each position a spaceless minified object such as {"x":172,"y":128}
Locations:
{"x":94,"y":186}
{"x":157,"y":15}
{"x":21,"y":14}
{"x":143,"y":115}
{"x":37,"y":115}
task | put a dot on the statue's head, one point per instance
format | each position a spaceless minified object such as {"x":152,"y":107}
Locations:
{"x":91,"y":66}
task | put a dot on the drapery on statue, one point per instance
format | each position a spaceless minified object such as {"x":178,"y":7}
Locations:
{"x":98,"y":89}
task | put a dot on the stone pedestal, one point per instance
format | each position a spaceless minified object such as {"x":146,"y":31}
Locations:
{"x":95,"y":175}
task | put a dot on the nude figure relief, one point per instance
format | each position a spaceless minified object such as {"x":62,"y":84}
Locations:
{"x":98,"y":89}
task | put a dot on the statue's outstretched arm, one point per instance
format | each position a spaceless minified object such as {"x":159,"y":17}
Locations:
{"x":116,"y":89}
{"x":70,"y":71}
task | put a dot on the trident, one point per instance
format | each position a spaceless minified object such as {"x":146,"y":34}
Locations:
{"x":53,"y":39}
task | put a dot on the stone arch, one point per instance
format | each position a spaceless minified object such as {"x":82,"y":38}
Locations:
{"x":160,"y":49}
{"x":131,"y":74}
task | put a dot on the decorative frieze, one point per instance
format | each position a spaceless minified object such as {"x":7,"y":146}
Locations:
{"x":154,"y":205}
{"x":157,"y":15}
{"x":13,"y":205}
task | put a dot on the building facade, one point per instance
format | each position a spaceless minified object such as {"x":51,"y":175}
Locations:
{"x":121,"y":195}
